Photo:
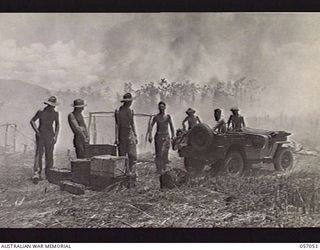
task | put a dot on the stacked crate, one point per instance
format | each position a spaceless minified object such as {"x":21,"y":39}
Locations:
{"x":80,"y":171}
{"x":106,"y":170}
{"x":91,"y":150}
{"x":56,"y":175}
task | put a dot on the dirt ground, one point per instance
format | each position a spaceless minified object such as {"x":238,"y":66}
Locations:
{"x":263,"y":198}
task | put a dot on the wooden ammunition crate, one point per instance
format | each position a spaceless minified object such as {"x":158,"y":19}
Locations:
{"x":71,"y":187}
{"x":56,"y":175}
{"x":100,"y":182}
{"x":80,"y":171}
{"x":108,"y":166}
{"x":91,"y":150}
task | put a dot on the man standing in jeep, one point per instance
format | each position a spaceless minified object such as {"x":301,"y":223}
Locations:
{"x":236,"y":121}
{"x":220,"y":126}
{"x":162,"y":138}
{"x":191,"y":118}
{"x":79,"y":128}
{"x":46,"y":136}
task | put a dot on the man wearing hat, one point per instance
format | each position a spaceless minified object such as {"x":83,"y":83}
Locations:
{"x":126,"y":137}
{"x":236,"y":121}
{"x":46,"y":136}
{"x":78,"y":127}
{"x":191,"y":119}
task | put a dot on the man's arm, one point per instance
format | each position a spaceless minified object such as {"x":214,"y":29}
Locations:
{"x":33,"y":122}
{"x":183,"y":123}
{"x":86,"y":132}
{"x":75,"y":126}
{"x":229,"y":123}
{"x":150,"y":128}
{"x":133,"y":126}
{"x":198,"y":119}
{"x":57,"y":128}
{"x":171,"y":127}
{"x":216,"y":127}
{"x":243,"y":123}
{"x":132,"y":123}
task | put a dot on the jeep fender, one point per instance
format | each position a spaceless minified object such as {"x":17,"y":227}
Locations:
{"x":284,"y":144}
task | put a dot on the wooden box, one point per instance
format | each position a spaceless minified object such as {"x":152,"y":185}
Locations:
{"x":71,"y":187}
{"x":91,"y":150}
{"x":108,"y":166}
{"x":55,"y":175}
{"x":80,"y":171}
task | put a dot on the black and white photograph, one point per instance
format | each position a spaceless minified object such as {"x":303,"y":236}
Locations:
{"x":159,"y":120}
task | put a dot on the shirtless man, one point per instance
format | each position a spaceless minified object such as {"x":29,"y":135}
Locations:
{"x":220,"y":126}
{"x":162,"y":138}
{"x":191,"y":119}
{"x":236,"y":121}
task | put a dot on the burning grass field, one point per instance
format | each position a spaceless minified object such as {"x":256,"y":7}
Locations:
{"x":263,"y":198}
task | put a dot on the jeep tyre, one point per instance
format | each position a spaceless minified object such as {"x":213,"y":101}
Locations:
{"x":200,"y":137}
{"x":234,"y":164}
{"x":216,"y":168}
{"x":283,"y":160}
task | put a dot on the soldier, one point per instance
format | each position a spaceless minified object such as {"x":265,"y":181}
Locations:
{"x":126,"y":136}
{"x":236,"y":121}
{"x":191,"y":119}
{"x":220,"y":126}
{"x":79,"y":128}
{"x":162,"y":138}
{"x":46,"y":136}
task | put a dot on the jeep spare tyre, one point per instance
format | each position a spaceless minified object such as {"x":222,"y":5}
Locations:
{"x":200,"y":137}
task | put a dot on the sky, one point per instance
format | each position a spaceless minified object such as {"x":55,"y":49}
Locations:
{"x":61,"y":51}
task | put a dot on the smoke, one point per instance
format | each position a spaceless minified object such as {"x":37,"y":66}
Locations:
{"x":279,"y":51}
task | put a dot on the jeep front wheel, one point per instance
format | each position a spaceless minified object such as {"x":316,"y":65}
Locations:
{"x":234,"y":164}
{"x":283,"y":161}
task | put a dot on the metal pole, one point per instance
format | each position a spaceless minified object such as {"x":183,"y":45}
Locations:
{"x":6,"y":138}
{"x":94,"y":130}
{"x":89,"y":126}
{"x":14,"y":137}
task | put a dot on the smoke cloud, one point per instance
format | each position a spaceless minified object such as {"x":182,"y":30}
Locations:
{"x":280,"y":51}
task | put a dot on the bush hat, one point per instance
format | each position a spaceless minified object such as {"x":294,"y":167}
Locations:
{"x":52,"y":101}
{"x":127,"y":98}
{"x":78,"y":103}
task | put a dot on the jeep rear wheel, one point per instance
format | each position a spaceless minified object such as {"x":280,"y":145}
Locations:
{"x":234,"y":164}
{"x":283,"y":161}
